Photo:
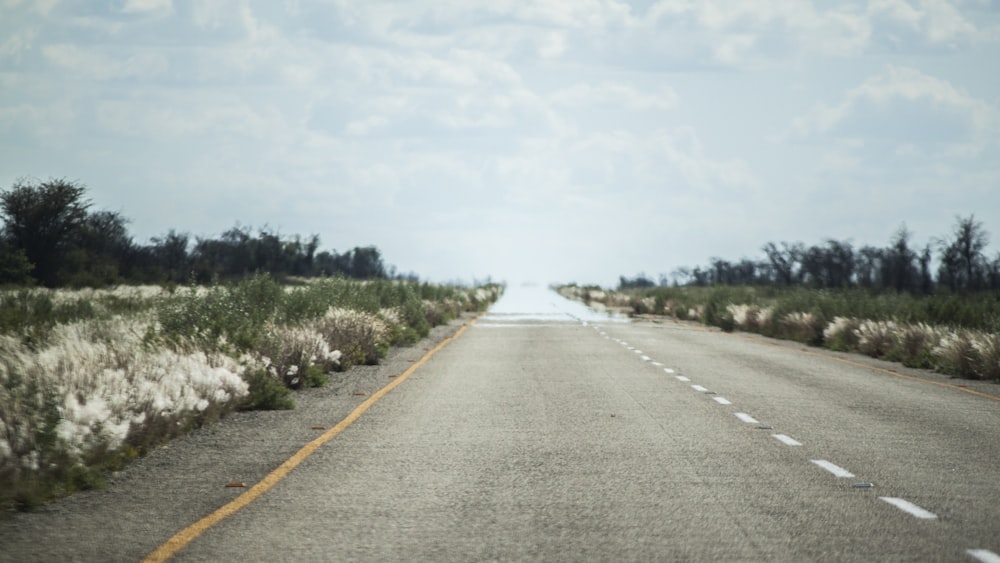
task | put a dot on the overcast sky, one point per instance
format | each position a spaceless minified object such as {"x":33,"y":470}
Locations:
{"x":551,"y":140}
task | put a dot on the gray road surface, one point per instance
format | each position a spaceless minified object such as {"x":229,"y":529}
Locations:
{"x":546,"y":437}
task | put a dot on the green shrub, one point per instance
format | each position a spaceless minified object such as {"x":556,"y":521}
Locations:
{"x":361,"y":337}
{"x":841,"y":334}
{"x":233,"y":315}
{"x":801,"y":327}
{"x":293,"y":351}
{"x":915,"y":345}
{"x":316,"y":377}
{"x":266,"y":392}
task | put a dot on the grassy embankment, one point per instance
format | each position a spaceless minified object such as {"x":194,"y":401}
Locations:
{"x":91,"y":379}
{"x":958,"y":335}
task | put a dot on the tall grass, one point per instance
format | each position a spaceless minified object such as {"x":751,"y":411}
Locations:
{"x":978,"y":311}
{"x":95,"y":396}
{"x":91,"y":379}
{"x":956,"y":334}
{"x":30,"y":314}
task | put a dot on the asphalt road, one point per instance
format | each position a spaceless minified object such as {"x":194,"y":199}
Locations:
{"x":545,"y":432}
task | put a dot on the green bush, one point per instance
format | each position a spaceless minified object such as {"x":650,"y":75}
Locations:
{"x":266,"y":392}
{"x":316,"y":377}
{"x":841,"y":334}
{"x":234,"y":314}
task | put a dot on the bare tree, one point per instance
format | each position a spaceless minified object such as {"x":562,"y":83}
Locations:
{"x":898,"y":270}
{"x":784,"y":261}
{"x":963,"y":263}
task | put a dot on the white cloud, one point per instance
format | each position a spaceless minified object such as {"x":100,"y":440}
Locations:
{"x":456,"y":68}
{"x":842,"y":157}
{"x":382,"y":17}
{"x":188,"y":116}
{"x":18,"y":44}
{"x":382,"y":66}
{"x":257,"y":30}
{"x":590,"y":172}
{"x":621,"y":95}
{"x":684,"y":150}
{"x":913,"y":145}
{"x":364,"y":126}
{"x":938,"y":20}
{"x":944,"y":22}
{"x":733,"y":48}
{"x":453,"y":120}
{"x":553,"y":45}
{"x":42,"y":7}
{"x":48,"y":122}
{"x":886,"y":91}
{"x":585,"y":123}
{"x":737,"y":32}
{"x":744,"y":33}
{"x":597,"y":14}
{"x":215,"y":14}
{"x":97,"y":64}
{"x":156,"y":7}
{"x":898,"y":10}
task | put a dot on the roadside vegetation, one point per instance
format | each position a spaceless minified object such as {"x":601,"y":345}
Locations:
{"x":93,"y":377}
{"x":883,"y":302}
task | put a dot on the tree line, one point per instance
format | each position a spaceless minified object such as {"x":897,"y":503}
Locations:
{"x":962,"y":265}
{"x":52,"y":237}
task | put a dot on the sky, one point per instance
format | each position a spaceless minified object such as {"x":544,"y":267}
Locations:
{"x":551,"y":140}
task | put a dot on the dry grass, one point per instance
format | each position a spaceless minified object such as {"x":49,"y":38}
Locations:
{"x":86,"y":388}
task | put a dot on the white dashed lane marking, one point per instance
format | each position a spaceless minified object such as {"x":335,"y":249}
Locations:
{"x":909,"y":507}
{"x":832,"y":468}
{"x":984,"y":555}
{"x":787,"y":440}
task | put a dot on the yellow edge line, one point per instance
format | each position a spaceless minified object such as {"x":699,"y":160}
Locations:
{"x":891,"y":372}
{"x":189,"y":534}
